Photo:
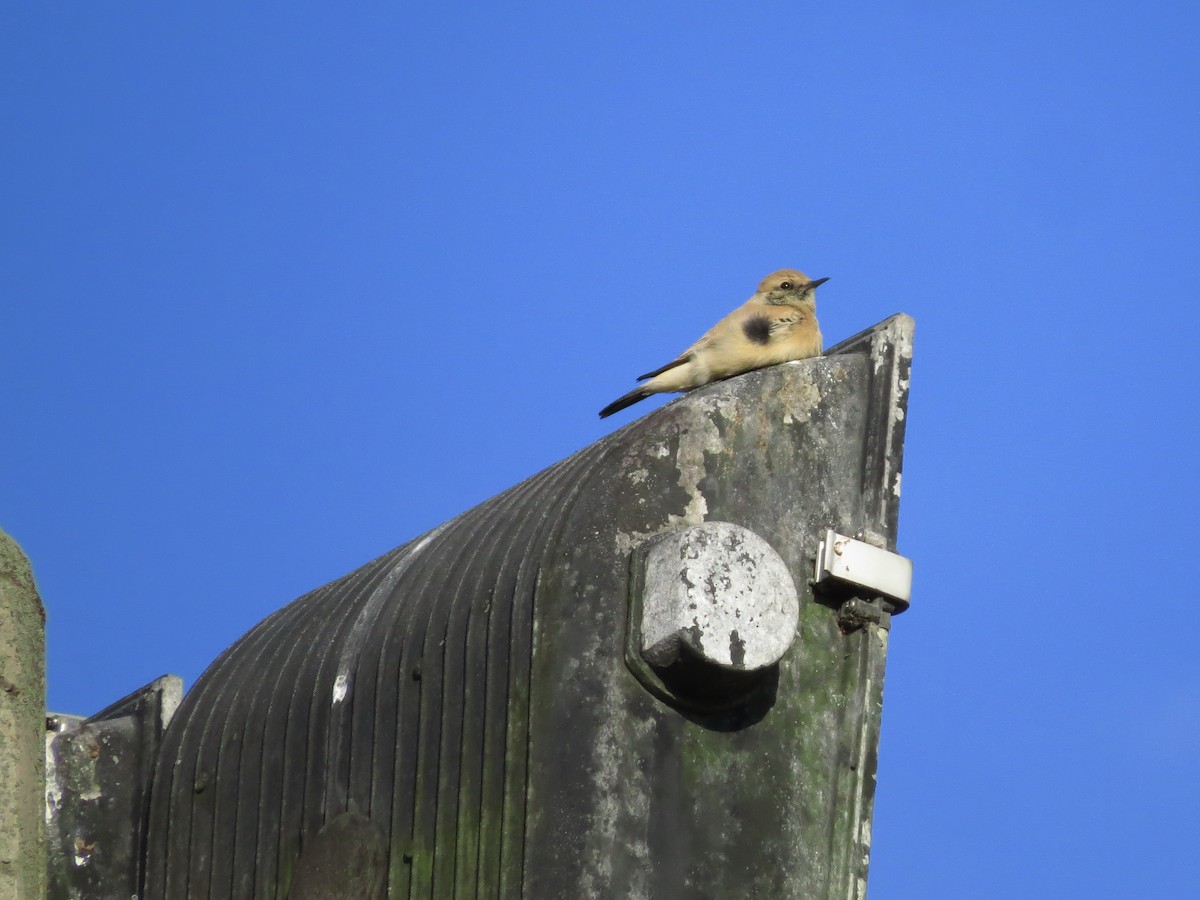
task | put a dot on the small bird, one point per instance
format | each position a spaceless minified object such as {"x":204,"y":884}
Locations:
{"x":777,"y":324}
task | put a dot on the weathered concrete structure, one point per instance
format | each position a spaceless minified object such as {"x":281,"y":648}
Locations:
{"x":98,"y":771}
{"x":616,"y":679}
{"x":22,"y":722}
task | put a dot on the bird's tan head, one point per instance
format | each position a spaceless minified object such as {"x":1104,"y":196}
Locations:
{"x":789,"y":286}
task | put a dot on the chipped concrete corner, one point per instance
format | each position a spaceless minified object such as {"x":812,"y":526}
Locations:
{"x":97,"y":774}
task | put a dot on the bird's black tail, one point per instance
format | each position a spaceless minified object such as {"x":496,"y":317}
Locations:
{"x":628,"y":400}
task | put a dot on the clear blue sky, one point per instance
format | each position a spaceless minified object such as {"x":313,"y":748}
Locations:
{"x":284,"y":287}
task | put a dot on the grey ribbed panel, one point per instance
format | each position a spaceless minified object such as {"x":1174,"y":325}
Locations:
{"x":245,"y":751}
{"x":430,"y":648}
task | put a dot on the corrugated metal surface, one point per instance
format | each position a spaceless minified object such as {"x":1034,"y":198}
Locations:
{"x":464,"y":698}
{"x":399,"y":688}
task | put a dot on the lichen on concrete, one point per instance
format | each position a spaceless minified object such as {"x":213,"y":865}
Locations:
{"x":22,"y":725}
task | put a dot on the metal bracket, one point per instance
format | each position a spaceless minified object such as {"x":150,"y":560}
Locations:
{"x":854,"y":567}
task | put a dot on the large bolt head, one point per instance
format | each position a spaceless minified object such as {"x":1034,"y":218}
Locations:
{"x":722,"y":592}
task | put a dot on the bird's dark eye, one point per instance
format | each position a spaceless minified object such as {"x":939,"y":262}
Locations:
{"x":786,"y":285}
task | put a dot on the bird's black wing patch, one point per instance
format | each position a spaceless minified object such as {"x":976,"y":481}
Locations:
{"x":672,"y":364}
{"x":757,"y":329}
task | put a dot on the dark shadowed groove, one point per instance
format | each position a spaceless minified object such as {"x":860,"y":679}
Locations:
{"x":324,"y":777}
{"x":219,"y":755}
{"x":499,"y":663}
{"x":483,"y":747}
{"x":172,"y":807}
{"x":281,"y":750}
{"x":457,"y":696}
{"x":355,"y":725}
{"x":259,"y":671}
{"x":490,"y":764}
{"x":472,"y":686}
{"x":499,"y":708}
{"x":260,"y":835}
{"x":303,"y":685}
{"x":397,"y":663}
{"x":387,"y":674}
{"x":407,"y":634}
{"x":262,"y":680}
{"x":516,"y":750}
{"x":388,"y":666}
{"x":262,"y":674}
{"x":374,"y":721}
{"x":287,"y":721}
{"x":372,"y":669}
{"x":236,"y":743}
{"x":430,"y":715}
{"x":309,"y":711}
{"x":465,"y":812}
{"x":525,"y":531}
{"x":579,"y":470}
{"x":174,"y":769}
{"x":456,"y":825}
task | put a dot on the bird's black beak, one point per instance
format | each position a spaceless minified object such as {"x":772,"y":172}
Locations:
{"x":817,"y":282}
